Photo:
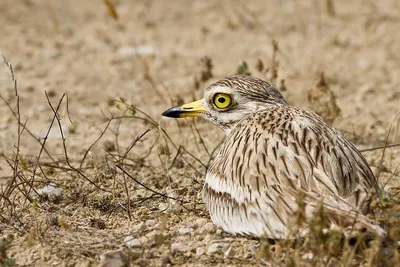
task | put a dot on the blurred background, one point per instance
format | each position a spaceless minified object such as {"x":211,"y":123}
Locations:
{"x":101,"y":50}
{"x":338,"y":58}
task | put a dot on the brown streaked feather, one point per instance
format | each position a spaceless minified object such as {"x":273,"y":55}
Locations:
{"x":275,"y":152}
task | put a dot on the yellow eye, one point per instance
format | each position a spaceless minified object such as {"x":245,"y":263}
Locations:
{"x":222,"y":101}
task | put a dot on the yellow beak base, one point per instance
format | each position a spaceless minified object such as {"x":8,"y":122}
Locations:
{"x":192,"y":109}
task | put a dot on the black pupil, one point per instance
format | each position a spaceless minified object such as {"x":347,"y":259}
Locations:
{"x":221,"y":100}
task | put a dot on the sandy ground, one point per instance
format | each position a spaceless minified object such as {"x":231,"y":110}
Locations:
{"x":151,"y":57}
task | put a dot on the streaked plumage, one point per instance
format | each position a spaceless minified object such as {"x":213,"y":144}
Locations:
{"x":272,"y":151}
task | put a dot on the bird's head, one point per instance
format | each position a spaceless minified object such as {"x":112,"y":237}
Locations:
{"x":230,"y":100}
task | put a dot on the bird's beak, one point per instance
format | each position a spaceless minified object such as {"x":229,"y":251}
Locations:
{"x":192,"y":109}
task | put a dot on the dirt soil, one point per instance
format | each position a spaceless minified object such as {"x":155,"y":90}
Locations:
{"x":151,"y":58}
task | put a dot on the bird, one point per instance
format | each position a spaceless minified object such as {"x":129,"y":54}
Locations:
{"x":272,"y":154}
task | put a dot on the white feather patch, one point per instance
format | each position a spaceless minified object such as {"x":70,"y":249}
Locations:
{"x":257,"y":221}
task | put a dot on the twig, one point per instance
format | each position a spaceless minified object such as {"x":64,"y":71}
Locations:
{"x":155,"y":124}
{"x":385,"y":145}
{"x":65,"y":146}
{"x":391,"y":177}
{"x":94,"y":143}
{"x":26,"y":129}
{"x":128,"y":149}
{"x":201,"y":138}
{"x":67,"y":109}
{"x":379,"y":147}
{"x":42,"y":147}
{"x":18,"y":115}
{"x":146,"y":187}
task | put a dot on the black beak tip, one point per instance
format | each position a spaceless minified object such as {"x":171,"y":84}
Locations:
{"x":174,"y":112}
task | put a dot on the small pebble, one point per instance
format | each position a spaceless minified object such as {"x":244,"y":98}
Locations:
{"x":213,"y":249}
{"x":229,"y":253}
{"x":308,"y":256}
{"x":163,"y":206}
{"x":115,"y":258}
{"x":219,"y":232}
{"x":208,"y":239}
{"x":200,"y":251}
{"x":51,"y":190}
{"x":132,"y":242}
{"x":175,"y":205}
{"x":185,"y":230}
{"x":138,"y":228}
{"x":151,"y":223}
{"x":248,"y":255}
{"x":179,"y":247}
